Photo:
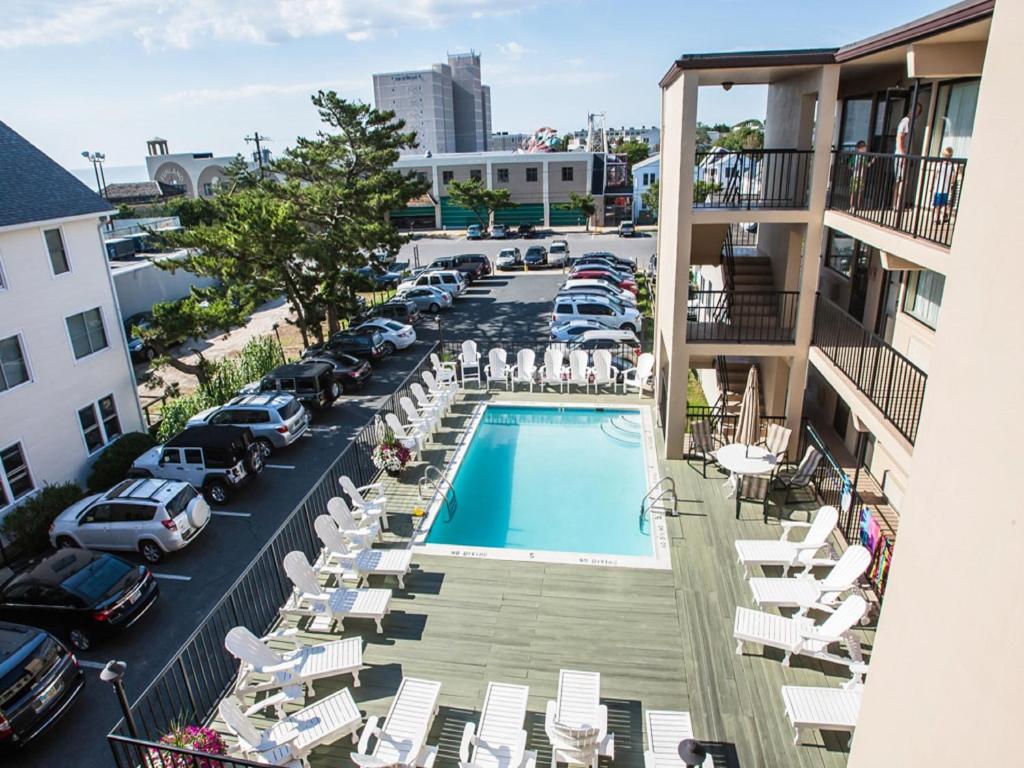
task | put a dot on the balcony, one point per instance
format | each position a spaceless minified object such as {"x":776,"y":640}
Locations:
{"x":752,"y":179}
{"x":741,"y":317}
{"x":899,"y":192}
{"x":893,"y":384}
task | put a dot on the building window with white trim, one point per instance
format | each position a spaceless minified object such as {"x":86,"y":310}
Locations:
{"x":100,"y":423}
{"x":531,"y":174}
{"x":58,"y":253}
{"x":13,"y":369}
{"x":503,"y":175}
{"x":15,"y":478}
{"x":567,"y":173}
{"x":923,"y":299}
{"x":476,"y":174}
{"x":447,"y":176}
{"x":87,"y":333}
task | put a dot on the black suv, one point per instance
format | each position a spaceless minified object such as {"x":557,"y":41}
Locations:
{"x":366,"y":344}
{"x":311,"y":383}
{"x":39,"y":679}
{"x":80,"y":595}
{"x":350,"y":372}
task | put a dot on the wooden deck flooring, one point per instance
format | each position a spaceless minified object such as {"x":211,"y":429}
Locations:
{"x":660,"y":639}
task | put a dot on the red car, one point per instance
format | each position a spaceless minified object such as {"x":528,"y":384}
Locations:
{"x":607,"y":276}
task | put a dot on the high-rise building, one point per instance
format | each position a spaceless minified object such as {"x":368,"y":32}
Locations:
{"x":446,"y":105}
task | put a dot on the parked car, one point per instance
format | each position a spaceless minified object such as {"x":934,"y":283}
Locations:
{"x":627,"y":229}
{"x":381,"y":278}
{"x":396,"y":335}
{"x":608,"y":276}
{"x":39,"y":680}
{"x":447,"y":280}
{"x":601,"y":287}
{"x":427,"y":297}
{"x":140,"y":351}
{"x":615,"y":336}
{"x":623,"y":266}
{"x":526,"y":230}
{"x":277,"y":419}
{"x":396,"y":309}
{"x":558,"y":253}
{"x":499,"y":232}
{"x":148,"y":516}
{"x":359,"y":343}
{"x":312,"y":384}
{"x":470,"y":270}
{"x":572,"y":329}
{"x":536,"y":256}
{"x":79,"y":595}
{"x":608,"y":312}
{"x":476,"y":263}
{"x":350,"y":373}
{"x":509,"y":258}
{"x":220,"y":460}
{"x":475,"y":232}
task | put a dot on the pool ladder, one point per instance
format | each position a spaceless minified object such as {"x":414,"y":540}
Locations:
{"x":661,"y":497}
{"x":434,"y":482}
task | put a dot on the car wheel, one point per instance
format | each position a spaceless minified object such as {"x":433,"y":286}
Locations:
{"x":434,"y":308}
{"x":216,"y":492}
{"x":336,"y":390}
{"x":628,"y":327}
{"x":255,"y":461}
{"x":389,"y":348}
{"x":65,"y":542}
{"x":151,"y":552}
{"x":265,"y":446}
{"x":79,"y":639}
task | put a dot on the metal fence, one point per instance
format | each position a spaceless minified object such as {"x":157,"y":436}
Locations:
{"x":742,"y":317}
{"x":752,"y":178}
{"x":201,"y":674}
{"x":919,"y":196}
{"x":723,"y":425}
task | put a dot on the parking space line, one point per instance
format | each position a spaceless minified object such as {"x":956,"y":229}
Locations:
{"x":279,"y":466}
{"x":172,"y":577}
{"x":225,"y":513}
{"x":91,"y":664}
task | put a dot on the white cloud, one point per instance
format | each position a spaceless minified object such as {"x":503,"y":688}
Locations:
{"x":513,"y":50}
{"x":163,"y":24}
{"x":251,"y":91}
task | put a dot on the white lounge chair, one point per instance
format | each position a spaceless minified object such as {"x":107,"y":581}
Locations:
{"x":428,"y":420}
{"x":576,"y":723}
{"x":805,"y":591}
{"x":296,"y":736}
{"x":639,"y":378}
{"x":800,"y":635}
{"x":362,"y":506}
{"x":552,"y":370}
{"x":469,"y":362}
{"x":442,"y":394}
{"x":665,"y":729}
{"x":497,"y":369}
{"x":299,"y":667}
{"x":360,"y":564}
{"x":426,"y":402}
{"x":308,"y":598}
{"x":827,"y":709}
{"x":603,"y":372}
{"x":579,"y":371}
{"x":402,"y":739}
{"x":525,"y":369}
{"x":499,"y":741}
{"x":412,"y":437}
{"x":786,"y":553}
{"x":360,"y":532}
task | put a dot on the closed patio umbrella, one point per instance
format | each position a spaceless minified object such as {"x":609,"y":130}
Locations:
{"x":748,"y":427}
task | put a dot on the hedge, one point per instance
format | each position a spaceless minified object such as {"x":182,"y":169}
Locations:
{"x":28,"y":524}
{"x":113,"y":464}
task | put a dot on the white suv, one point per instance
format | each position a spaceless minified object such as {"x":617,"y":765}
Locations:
{"x":276,"y":419}
{"x":608,"y":312}
{"x":448,"y":281}
{"x":149,"y":516}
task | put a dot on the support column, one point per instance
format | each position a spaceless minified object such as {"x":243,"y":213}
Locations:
{"x":489,"y":183}
{"x":545,"y":168}
{"x":436,"y":192}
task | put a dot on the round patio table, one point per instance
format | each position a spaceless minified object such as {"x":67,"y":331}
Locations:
{"x":740,"y":459}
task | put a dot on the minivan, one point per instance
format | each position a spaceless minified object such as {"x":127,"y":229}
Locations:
{"x":609,"y":312}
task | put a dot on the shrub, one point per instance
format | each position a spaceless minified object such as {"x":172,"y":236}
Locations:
{"x":29,"y":523}
{"x":113,"y":464}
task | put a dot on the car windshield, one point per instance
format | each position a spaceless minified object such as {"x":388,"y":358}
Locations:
{"x":180,"y":503}
{"x":289,"y":409}
{"x":391,"y":325}
{"x":98,"y":579}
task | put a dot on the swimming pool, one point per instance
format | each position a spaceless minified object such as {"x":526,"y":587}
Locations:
{"x":552,"y":483}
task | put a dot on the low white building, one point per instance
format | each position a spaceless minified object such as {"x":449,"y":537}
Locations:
{"x":645,"y":174}
{"x":196,"y":173}
{"x":66,"y":382}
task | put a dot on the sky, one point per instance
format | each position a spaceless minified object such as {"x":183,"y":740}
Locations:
{"x":106,"y":75}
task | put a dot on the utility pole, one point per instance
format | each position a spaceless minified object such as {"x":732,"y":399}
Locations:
{"x":256,"y":139}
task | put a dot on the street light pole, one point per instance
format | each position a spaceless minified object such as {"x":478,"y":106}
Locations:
{"x":113,"y":673}
{"x":97,"y":158}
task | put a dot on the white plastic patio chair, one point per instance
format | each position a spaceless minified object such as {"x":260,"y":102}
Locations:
{"x":360,"y":564}
{"x":497,"y":368}
{"x":296,"y":736}
{"x":469,"y":362}
{"x":603,"y":372}
{"x":826,"y":709}
{"x":525,"y":369}
{"x":444,"y":372}
{"x":427,"y":421}
{"x":443,"y":394}
{"x":552,"y":370}
{"x":309,"y":598}
{"x":425,"y":403}
{"x":805,"y":592}
{"x":362,"y":506}
{"x":410,"y":437}
{"x":576,"y":723}
{"x":499,"y":740}
{"x":299,"y":667}
{"x":665,"y":729}
{"x":579,"y":371}
{"x":788,"y":554}
{"x":639,"y":377}
{"x":360,"y":532}
{"x":402,"y":740}
{"x":800,"y":635}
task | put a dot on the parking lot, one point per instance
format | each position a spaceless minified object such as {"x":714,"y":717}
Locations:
{"x":513,"y":305}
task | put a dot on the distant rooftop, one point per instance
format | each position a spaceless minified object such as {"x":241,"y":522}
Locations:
{"x":36,"y":188}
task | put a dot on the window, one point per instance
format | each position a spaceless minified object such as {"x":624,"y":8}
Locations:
{"x":13,"y":370}
{"x":567,"y":173}
{"x":531,"y":174}
{"x":58,"y":255}
{"x":447,"y":176}
{"x":839,"y":252}
{"x":208,"y":189}
{"x":421,"y":177}
{"x":138,"y":513}
{"x":503,"y":175}
{"x":87,"y":334}
{"x":476,"y":174}
{"x":3,"y":284}
{"x":99,"y":423}
{"x":923,"y":299}
{"x":15,"y":478}
{"x":954,"y":117}
{"x":594,"y":309}
{"x":193,"y":456}
{"x":100,"y":513}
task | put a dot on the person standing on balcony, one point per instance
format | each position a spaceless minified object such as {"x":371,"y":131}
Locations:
{"x":945,"y":175}
{"x":903,"y":149}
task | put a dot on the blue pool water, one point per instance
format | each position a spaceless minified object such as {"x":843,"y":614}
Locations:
{"x":550,"y":479}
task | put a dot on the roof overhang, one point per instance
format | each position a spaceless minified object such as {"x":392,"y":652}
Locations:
{"x":752,"y":61}
{"x":62,"y":220}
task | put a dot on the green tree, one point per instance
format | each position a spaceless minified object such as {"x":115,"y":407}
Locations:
{"x":634,"y":150}
{"x":650,"y":198}
{"x":583,"y":203}
{"x":192,"y":211}
{"x":472,"y":194}
{"x":748,"y":134}
{"x":563,"y":143}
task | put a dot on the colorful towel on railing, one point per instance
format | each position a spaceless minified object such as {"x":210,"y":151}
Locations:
{"x":870,"y":530}
{"x":879,"y":571}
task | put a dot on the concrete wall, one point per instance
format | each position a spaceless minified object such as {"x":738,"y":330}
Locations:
{"x":141,"y":284}
{"x":946,"y":667}
{"x":523,"y":191}
{"x":459,"y":173}
{"x":559,"y":190}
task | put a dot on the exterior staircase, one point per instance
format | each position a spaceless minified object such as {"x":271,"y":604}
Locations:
{"x":732,"y":375}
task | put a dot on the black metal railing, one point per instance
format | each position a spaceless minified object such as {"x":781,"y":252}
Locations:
{"x":742,"y":317}
{"x":191,"y":685}
{"x":889,"y":380}
{"x":919,"y":196}
{"x":752,"y":178}
{"x":744,"y":235}
{"x":723,"y":424}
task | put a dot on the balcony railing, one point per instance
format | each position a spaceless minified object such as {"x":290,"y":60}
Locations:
{"x":890,"y":381}
{"x":918,"y":196}
{"x":752,"y":178}
{"x":742,"y":317}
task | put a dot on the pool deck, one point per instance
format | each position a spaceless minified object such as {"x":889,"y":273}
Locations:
{"x":660,"y":639}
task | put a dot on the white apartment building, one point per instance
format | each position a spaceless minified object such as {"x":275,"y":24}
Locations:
{"x":645,"y":175}
{"x":66,"y":382}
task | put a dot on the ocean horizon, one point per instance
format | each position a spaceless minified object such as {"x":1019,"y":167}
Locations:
{"x":114,"y":174}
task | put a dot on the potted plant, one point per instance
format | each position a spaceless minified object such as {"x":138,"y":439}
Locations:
{"x":194,"y":737}
{"x":390,"y":455}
